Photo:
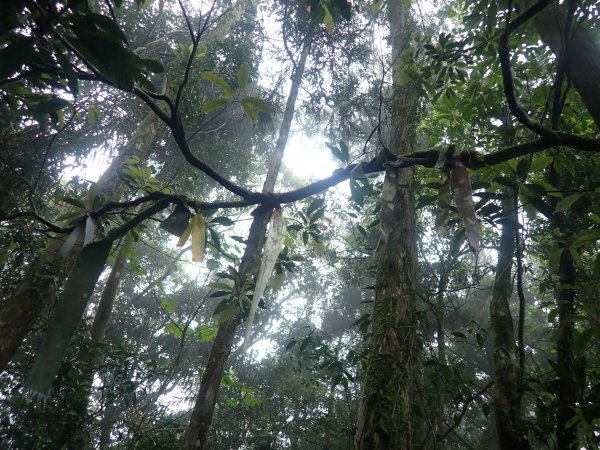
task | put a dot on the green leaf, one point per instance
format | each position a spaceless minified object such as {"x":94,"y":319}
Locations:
{"x":567,"y":202}
{"x":51,"y":105}
{"x":586,"y":237}
{"x":212,"y":105}
{"x":216,"y":79}
{"x":152,"y":66}
{"x":249,"y":111}
{"x":206,"y":333}
{"x":222,"y":220}
{"x":523,"y":167}
{"x":458,"y":334}
{"x":315,"y":204}
{"x":328,"y":19}
{"x":507,"y":181}
{"x":73,"y":201}
{"x":377,"y":6}
{"x":554,"y":258}
{"x":243,"y":75}
{"x":68,"y":216}
{"x":582,"y":339}
{"x":539,"y":162}
{"x":172,"y":329}
{"x":258,"y":104}
{"x":169,"y":306}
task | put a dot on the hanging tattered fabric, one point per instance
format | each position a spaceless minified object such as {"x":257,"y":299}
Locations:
{"x":442,"y":210}
{"x":463,"y":198}
{"x":67,"y":315}
{"x":272,"y":248}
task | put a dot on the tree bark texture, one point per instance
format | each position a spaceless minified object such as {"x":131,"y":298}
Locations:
{"x":202,"y":413}
{"x":581,"y":52}
{"x":568,"y":392}
{"x":384,"y":420}
{"x":38,"y":287}
{"x":506,"y":366}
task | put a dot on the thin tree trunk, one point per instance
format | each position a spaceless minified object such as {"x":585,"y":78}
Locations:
{"x":506,"y":365}
{"x":567,"y":396}
{"x":384,"y":420}
{"x":568,"y":393}
{"x":202,"y":413}
{"x":38,"y":287}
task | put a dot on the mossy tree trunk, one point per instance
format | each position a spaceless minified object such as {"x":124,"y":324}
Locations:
{"x":384,"y":420}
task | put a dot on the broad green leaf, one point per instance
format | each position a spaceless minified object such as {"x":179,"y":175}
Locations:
{"x":258,"y":104}
{"x":377,"y":6}
{"x":212,"y":105}
{"x":315,"y":204}
{"x":328,"y":19}
{"x":539,"y":162}
{"x":242,"y":76}
{"x":249,"y":111}
{"x":523,"y":167}
{"x":206,"y":333}
{"x":172,"y":329}
{"x":554,"y":258}
{"x":227,"y":90}
{"x":51,"y":105}
{"x":586,"y":237}
{"x":222,"y":220}
{"x":152,"y":66}
{"x":567,"y":202}
{"x":68,"y":216}
{"x":220,"y":286}
{"x":169,"y":306}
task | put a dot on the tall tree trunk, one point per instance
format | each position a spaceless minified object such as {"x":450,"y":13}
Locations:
{"x":582,"y":55}
{"x":384,"y":420}
{"x":37,"y":289}
{"x":202,"y":413}
{"x":506,"y":366}
{"x":567,"y":396}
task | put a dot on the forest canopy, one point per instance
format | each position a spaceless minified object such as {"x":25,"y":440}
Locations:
{"x":169,"y":278}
